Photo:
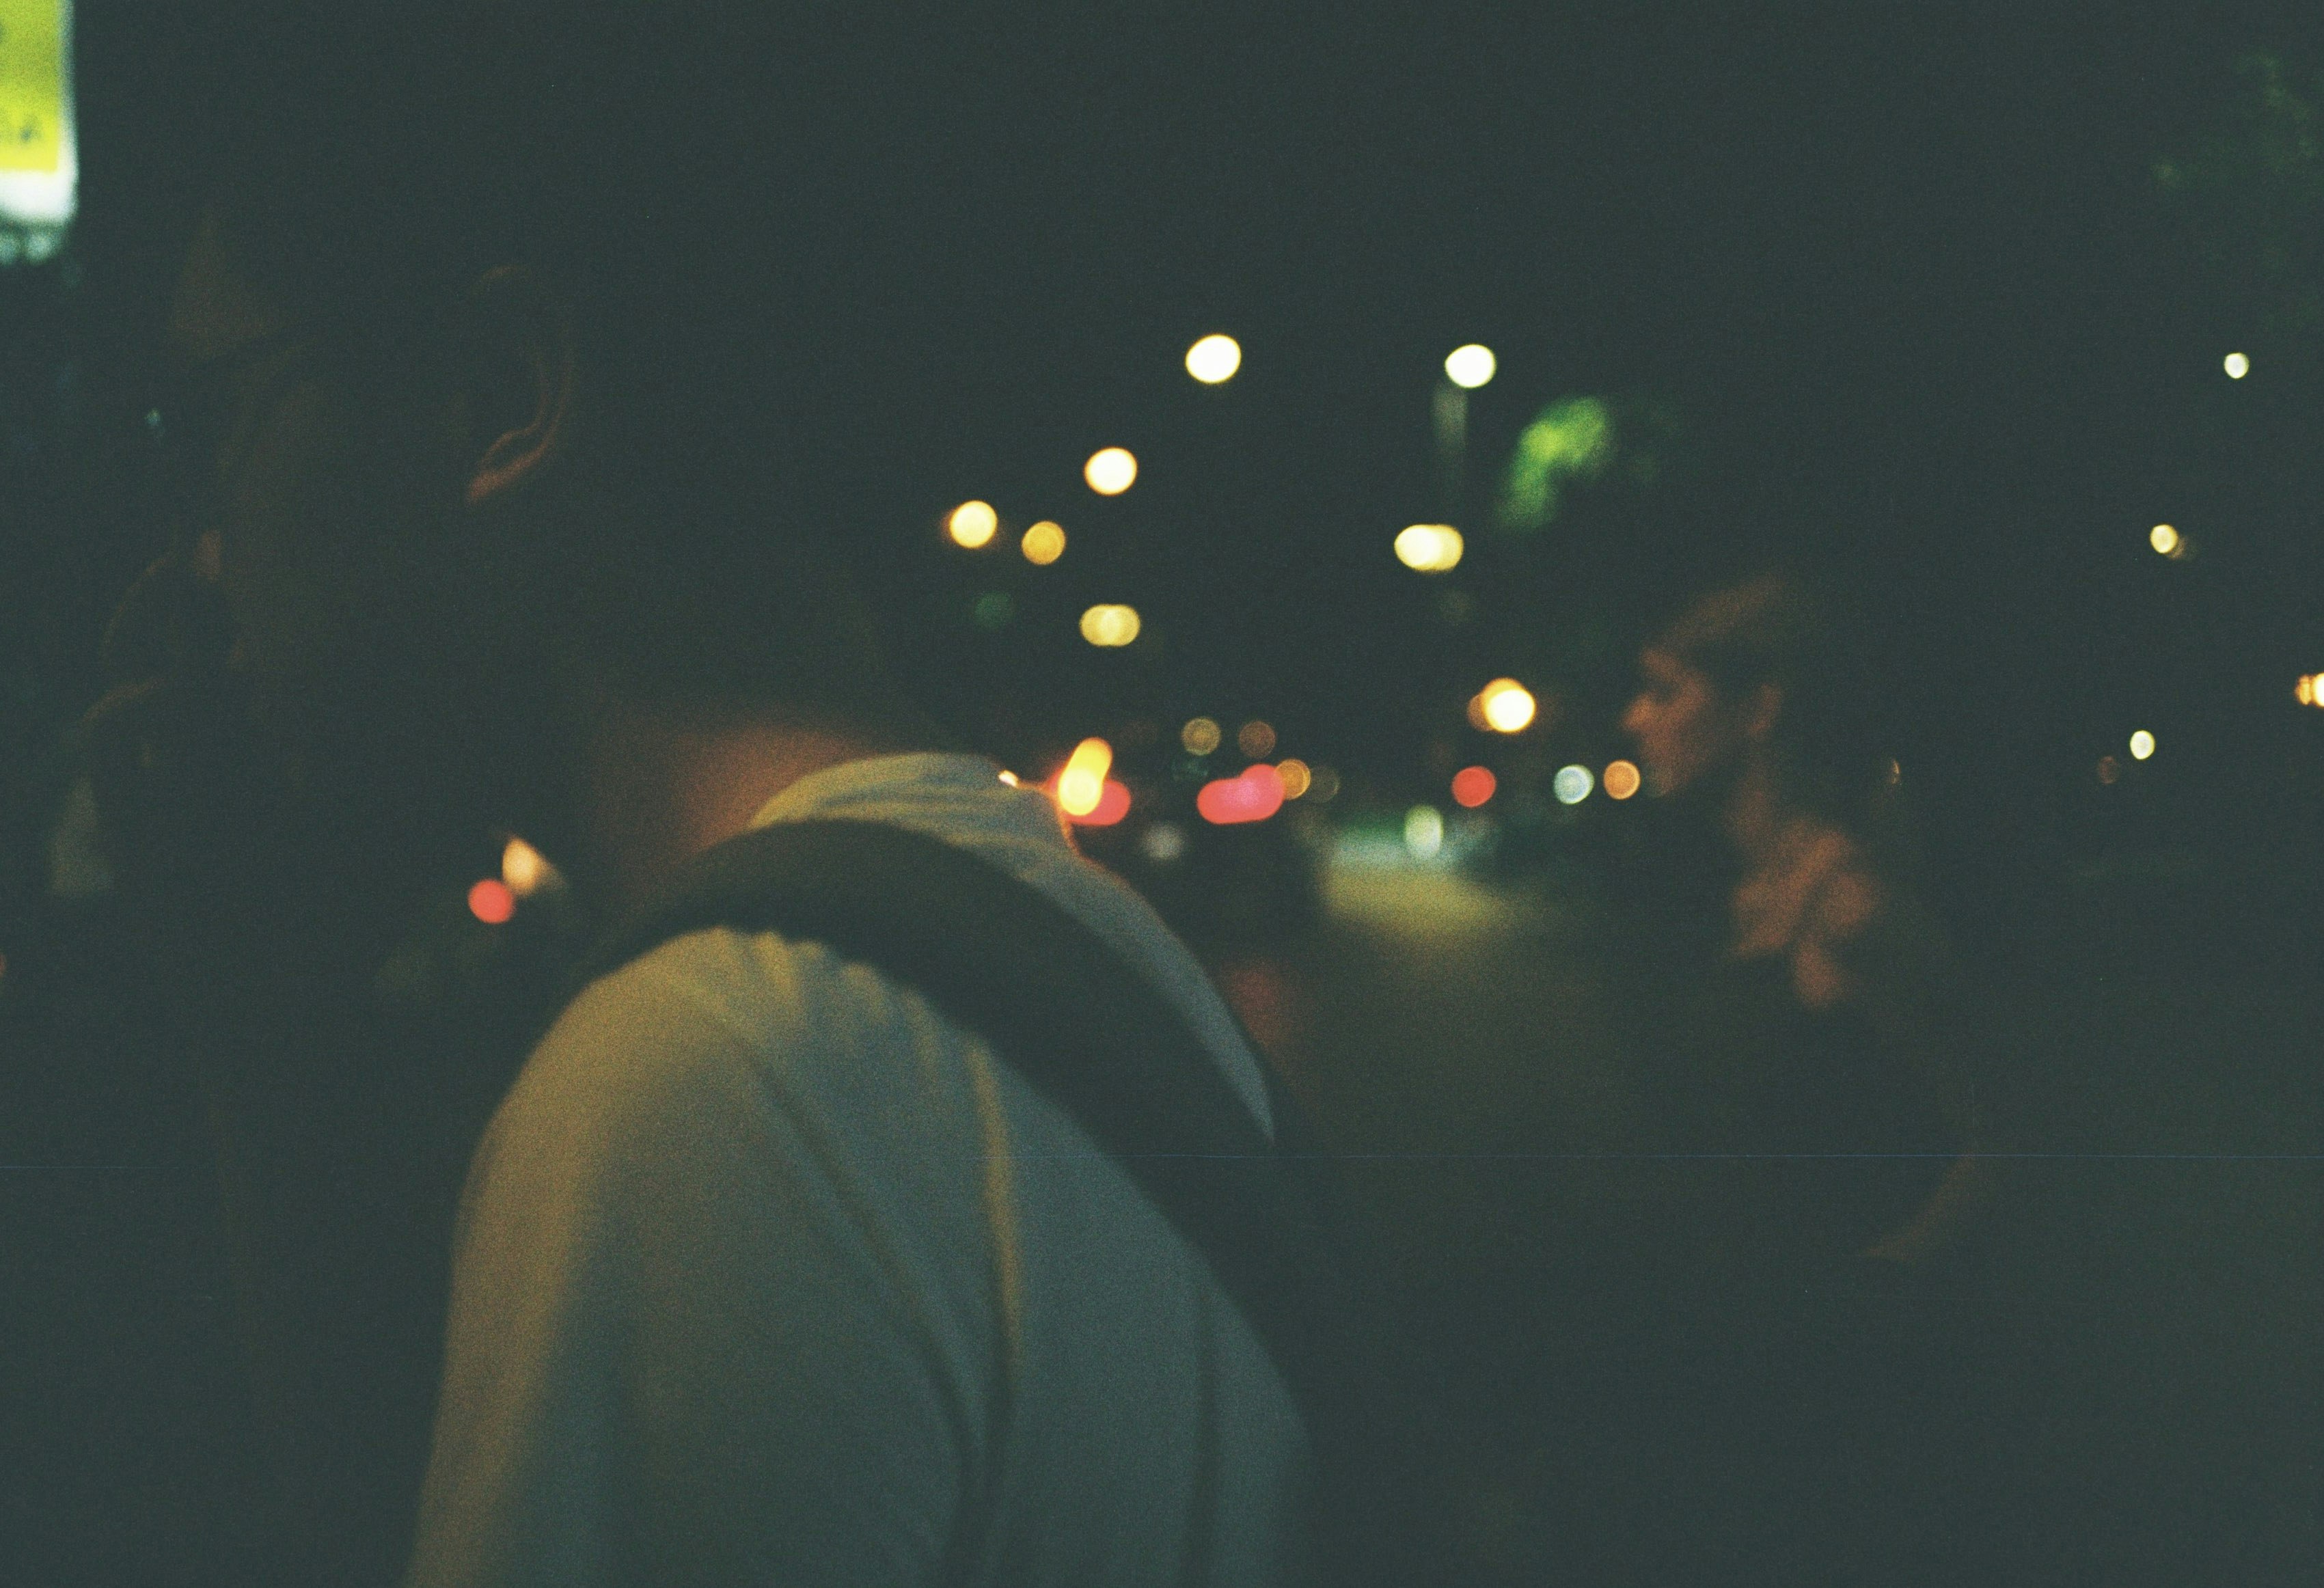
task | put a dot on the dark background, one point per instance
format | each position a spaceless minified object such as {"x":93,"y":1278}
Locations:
{"x":1915,"y":307}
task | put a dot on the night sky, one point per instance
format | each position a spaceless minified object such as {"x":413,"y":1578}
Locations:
{"x":1904,"y":292}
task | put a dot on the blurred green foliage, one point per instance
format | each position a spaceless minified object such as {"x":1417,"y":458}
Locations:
{"x":2252,"y":192}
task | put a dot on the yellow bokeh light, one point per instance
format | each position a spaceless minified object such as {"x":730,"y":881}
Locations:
{"x":1043,"y":543}
{"x":1470,"y":366}
{"x":1296,"y":778}
{"x":1110,"y":625}
{"x":2164,"y":538}
{"x":1621,"y":779}
{"x":1255,"y":740}
{"x":1200,"y":736}
{"x":1083,"y":782}
{"x":2237,"y":367}
{"x":2304,"y":690}
{"x":2142,"y":745}
{"x":1429,"y":548}
{"x":1507,"y":706}
{"x":972,"y":524}
{"x":1213,"y":359}
{"x":1110,"y":471}
{"x":524,"y":869}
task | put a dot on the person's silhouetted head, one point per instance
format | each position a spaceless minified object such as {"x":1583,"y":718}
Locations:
{"x":525,"y":354}
{"x":1761,"y":674}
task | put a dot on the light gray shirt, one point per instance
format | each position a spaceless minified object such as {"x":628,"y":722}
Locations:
{"x":767,"y":1272}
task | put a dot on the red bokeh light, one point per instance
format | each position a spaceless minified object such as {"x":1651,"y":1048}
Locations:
{"x":491,"y":901}
{"x":1473,"y":784}
{"x":1253,"y":797}
{"x":1113,"y":805}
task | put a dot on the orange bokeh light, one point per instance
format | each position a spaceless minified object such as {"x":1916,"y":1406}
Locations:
{"x":1113,"y":805}
{"x":1253,"y":797}
{"x":492,"y":901}
{"x":1473,"y":784}
{"x":1621,"y":779}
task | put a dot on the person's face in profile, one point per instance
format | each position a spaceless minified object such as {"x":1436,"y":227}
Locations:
{"x":1682,"y":728}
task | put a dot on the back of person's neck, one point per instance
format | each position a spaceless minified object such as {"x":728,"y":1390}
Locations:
{"x":659,"y":785}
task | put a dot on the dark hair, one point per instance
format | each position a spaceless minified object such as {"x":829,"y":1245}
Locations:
{"x":726,"y":195}
{"x":1831,"y":733}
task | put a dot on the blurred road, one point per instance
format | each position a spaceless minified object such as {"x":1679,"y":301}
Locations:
{"x":2120,"y":1378}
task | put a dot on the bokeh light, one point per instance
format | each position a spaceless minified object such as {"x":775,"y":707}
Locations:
{"x":1162,"y":843}
{"x":1429,"y":548}
{"x":1621,"y":779}
{"x":1213,"y":359}
{"x":526,"y":870}
{"x":972,"y":524}
{"x":1043,"y":543}
{"x":2164,"y":538}
{"x":2109,"y":769}
{"x":1571,"y":785}
{"x":1082,"y":784}
{"x":2306,"y":692}
{"x":1297,"y":779}
{"x":1200,"y":736}
{"x":1322,"y":785}
{"x":1470,"y":366}
{"x":1109,"y":626}
{"x":1505,"y":705}
{"x":1110,"y":471}
{"x":2142,"y":745}
{"x":1113,"y":805}
{"x":1255,"y":740}
{"x":1252,"y":797}
{"x":1473,"y":784}
{"x":491,"y":901}
{"x":993,"y":609}
{"x":1424,"y":831}
{"x":2237,"y":367}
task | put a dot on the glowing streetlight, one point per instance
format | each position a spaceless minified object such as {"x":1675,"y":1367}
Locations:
{"x":2237,"y":367}
{"x":1111,"y":470}
{"x":1043,"y":544}
{"x":1214,"y":359}
{"x":1110,"y":625}
{"x":2142,"y":745}
{"x":1082,"y":784}
{"x":972,"y":524}
{"x":1470,"y":367}
{"x":1507,"y":706}
{"x":1429,"y":548}
{"x":2164,"y":540}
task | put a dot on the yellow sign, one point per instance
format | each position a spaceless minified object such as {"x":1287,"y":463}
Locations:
{"x":32,"y":84}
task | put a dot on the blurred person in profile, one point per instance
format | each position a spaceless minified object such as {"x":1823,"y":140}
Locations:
{"x":1811,"y":1083}
{"x":1757,"y":708}
{"x":527,"y":372}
